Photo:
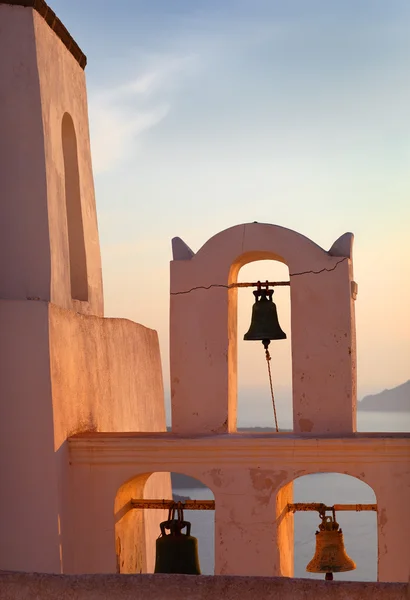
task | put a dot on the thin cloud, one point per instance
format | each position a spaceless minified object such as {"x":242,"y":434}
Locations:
{"x":119,"y":115}
{"x":114,"y":132}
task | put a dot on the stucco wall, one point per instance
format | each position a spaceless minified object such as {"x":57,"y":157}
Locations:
{"x":63,"y":89}
{"x":136,"y":530}
{"x":62,"y":373}
{"x":40,"y":81}
{"x":203,"y":329}
{"x":106,"y":375}
{"x":29,"y":504}
{"x":23,"y":207}
{"x":15,"y":586}
{"x":248,"y":475}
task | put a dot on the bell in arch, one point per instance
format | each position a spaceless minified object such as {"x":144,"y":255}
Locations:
{"x":264,"y":324}
{"x":176,"y":552}
{"x":330,"y":556}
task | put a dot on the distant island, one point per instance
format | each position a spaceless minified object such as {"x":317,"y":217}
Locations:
{"x":394,"y":400}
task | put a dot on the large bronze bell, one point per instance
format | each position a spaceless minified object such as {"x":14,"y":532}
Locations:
{"x":330,"y":556}
{"x":264,"y":324}
{"x":176,"y":552}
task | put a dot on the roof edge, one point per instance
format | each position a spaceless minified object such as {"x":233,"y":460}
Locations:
{"x":55,"y":24}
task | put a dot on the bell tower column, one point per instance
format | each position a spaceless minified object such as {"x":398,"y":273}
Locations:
{"x":245,"y":524}
{"x":204,"y":331}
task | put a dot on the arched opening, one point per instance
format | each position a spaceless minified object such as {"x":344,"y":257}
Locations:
{"x":75,"y":228}
{"x":255,"y":408}
{"x":359,"y":528}
{"x":137,"y":529}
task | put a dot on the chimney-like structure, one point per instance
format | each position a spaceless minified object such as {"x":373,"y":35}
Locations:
{"x":49,"y":246}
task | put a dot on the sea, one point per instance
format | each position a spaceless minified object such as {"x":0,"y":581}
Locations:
{"x":359,"y":528}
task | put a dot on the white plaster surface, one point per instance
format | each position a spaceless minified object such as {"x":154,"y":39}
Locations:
{"x":29,"y":502}
{"x":63,"y":89}
{"x":39,"y":82}
{"x":105,"y":373}
{"x":23,"y":207}
{"x":248,"y":475}
{"x":21,"y":586}
{"x":62,"y":373}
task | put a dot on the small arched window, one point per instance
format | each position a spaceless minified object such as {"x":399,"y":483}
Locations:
{"x":76,"y":242}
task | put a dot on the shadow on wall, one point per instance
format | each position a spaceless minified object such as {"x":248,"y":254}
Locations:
{"x":137,"y":529}
{"x":76,"y":241}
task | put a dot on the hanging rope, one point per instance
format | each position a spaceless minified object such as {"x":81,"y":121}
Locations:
{"x":268,"y":359}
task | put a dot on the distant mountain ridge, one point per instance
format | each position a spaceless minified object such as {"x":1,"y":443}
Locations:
{"x":394,"y":400}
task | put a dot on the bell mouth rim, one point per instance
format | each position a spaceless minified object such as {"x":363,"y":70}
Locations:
{"x":332,"y":570}
{"x":259,"y":339}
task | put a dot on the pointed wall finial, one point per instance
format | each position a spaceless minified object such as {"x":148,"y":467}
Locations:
{"x":180,"y":251}
{"x":343,"y":246}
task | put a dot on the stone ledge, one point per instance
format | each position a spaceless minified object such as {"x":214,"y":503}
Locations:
{"x":246,"y":450}
{"x":32,"y":586}
{"x":55,"y":24}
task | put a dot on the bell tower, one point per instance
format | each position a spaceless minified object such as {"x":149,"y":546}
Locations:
{"x":49,"y":246}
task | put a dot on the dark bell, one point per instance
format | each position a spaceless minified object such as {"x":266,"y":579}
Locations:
{"x":264,"y":325}
{"x":330,"y":556}
{"x":177,"y":552}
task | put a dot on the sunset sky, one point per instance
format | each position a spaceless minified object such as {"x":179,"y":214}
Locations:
{"x":205,"y":114}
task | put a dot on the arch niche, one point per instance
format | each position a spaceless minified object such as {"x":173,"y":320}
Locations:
{"x":136,"y":530}
{"x":296,"y":532}
{"x":75,"y":227}
{"x":203,"y":329}
{"x":254,"y":408}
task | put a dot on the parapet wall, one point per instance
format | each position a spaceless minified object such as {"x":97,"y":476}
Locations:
{"x":62,"y":373}
{"x":106,"y":375}
{"x":22,"y":586}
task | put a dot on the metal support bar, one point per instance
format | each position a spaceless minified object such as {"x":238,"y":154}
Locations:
{"x":259,"y":284}
{"x":167,"y":504}
{"x":305,"y":506}
{"x":210,"y":505}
